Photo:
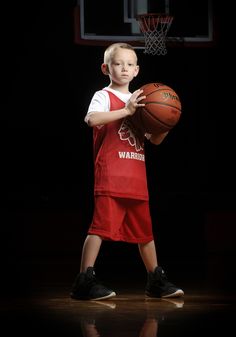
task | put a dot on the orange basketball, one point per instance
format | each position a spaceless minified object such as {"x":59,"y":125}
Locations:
{"x":162,"y":108}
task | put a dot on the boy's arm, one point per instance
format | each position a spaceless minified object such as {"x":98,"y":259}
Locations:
{"x":96,"y":118}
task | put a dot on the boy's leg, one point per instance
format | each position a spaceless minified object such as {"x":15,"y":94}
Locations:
{"x":148,"y":254}
{"x":90,"y":251}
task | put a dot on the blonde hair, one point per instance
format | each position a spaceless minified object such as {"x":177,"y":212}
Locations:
{"x":110,"y":51}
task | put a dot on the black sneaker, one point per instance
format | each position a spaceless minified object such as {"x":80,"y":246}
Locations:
{"x":159,"y":286}
{"x":87,"y":287}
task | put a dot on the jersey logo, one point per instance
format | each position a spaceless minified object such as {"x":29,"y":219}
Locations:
{"x":127,"y":134}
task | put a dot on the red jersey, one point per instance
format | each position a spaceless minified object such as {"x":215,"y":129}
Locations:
{"x":119,"y":159}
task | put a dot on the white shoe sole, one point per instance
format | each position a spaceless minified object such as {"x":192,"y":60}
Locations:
{"x":113,"y":294}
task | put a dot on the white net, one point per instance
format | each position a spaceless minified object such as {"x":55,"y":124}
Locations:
{"x":155,"y":28}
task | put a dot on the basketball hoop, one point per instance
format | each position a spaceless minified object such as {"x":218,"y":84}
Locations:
{"x":155,"y":27}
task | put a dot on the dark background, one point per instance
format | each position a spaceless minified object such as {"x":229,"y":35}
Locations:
{"x":46,"y":151}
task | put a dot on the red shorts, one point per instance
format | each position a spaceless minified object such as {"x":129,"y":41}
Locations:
{"x":121,"y":219}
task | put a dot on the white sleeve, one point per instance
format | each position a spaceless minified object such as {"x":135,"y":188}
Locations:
{"x":99,"y":102}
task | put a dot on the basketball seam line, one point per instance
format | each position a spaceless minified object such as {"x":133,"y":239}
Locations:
{"x":166,"y":104}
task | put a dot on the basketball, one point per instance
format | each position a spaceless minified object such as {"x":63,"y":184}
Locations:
{"x":162,"y":108}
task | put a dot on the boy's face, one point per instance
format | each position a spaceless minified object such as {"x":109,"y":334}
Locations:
{"x":122,"y":67}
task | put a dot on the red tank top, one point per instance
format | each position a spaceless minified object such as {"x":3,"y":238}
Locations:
{"x":119,"y":159}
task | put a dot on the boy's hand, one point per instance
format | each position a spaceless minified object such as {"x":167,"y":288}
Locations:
{"x":134,"y":102}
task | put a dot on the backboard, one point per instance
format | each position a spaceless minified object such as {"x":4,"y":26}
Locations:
{"x":102,"y":22}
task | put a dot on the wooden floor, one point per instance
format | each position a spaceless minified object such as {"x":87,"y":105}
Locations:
{"x":50,"y":311}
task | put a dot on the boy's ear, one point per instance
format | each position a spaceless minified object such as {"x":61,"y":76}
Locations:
{"x":105,"y":69}
{"x":136,"y":71}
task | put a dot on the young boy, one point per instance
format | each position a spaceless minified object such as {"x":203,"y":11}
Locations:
{"x":121,"y":211}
